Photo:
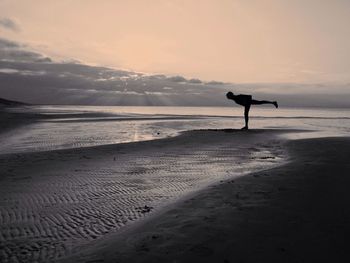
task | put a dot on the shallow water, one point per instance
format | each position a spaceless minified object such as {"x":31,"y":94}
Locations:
{"x":65,"y":127}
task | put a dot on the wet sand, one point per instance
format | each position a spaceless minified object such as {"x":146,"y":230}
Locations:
{"x":11,"y":120}
{"x":58,"y":202}
{"x":298,"y":212}
{"x":180,"y":199}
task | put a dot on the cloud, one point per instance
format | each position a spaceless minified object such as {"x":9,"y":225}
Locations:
{"x":177,"y":79}
{"x":195,"y":81}
{"x":22,"y":72}
{"x":31,"y":77}
{"x":9,"y":24}
{"x":13,"y":51}
{"x":213,"y":82}
{"x":5,"y":43}
{"x":183,"y":80}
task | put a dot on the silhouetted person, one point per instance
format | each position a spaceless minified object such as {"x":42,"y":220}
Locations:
{"x":247,"y":101}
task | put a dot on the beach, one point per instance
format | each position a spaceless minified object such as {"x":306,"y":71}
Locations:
{"x":174,"y":131}
{"x":297,"y":212}
{"x":211,"y":195}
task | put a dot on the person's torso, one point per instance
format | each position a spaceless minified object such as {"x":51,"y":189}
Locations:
{"x":243,"y":99}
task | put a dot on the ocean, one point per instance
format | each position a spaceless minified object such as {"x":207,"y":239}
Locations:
{"x":65,"y":127}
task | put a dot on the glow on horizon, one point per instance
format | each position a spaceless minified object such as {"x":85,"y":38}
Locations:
{"x":235,"y":41}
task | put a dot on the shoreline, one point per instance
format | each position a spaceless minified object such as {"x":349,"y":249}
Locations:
{"x":52,"y":129}
{"x":12,"y":120}
{"x":297,"y":212}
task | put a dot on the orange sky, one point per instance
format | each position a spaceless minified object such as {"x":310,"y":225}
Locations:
{"x":235,"y":41}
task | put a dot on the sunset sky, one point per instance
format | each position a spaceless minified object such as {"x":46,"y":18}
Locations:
{"x":234,"y":41}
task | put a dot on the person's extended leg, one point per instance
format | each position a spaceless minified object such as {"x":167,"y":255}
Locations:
{"x":246,"y":116}
{"x":259,"y":102}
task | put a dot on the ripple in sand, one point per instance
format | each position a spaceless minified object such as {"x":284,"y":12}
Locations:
{"x":69,"y":201}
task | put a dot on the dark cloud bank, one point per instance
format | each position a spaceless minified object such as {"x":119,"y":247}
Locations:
{"x":34,"y":78}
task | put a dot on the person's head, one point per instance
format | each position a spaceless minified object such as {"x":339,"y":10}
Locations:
{"x":229,"y":95}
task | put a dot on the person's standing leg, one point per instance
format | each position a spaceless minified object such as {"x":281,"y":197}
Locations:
{"x":246,"y":116}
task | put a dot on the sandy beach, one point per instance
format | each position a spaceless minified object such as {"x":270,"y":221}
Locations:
{"x":55,"y":203}
{"x":174,"y":131}
{"x":211,"y":195}
{"x":297,"y":212}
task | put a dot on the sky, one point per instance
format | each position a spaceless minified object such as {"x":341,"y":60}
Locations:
{"x":238,"y":41}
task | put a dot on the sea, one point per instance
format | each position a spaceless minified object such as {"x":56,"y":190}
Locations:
{"x":65,"y":127}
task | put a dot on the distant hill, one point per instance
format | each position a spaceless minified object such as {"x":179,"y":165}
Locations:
{"x":4,"y":102}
